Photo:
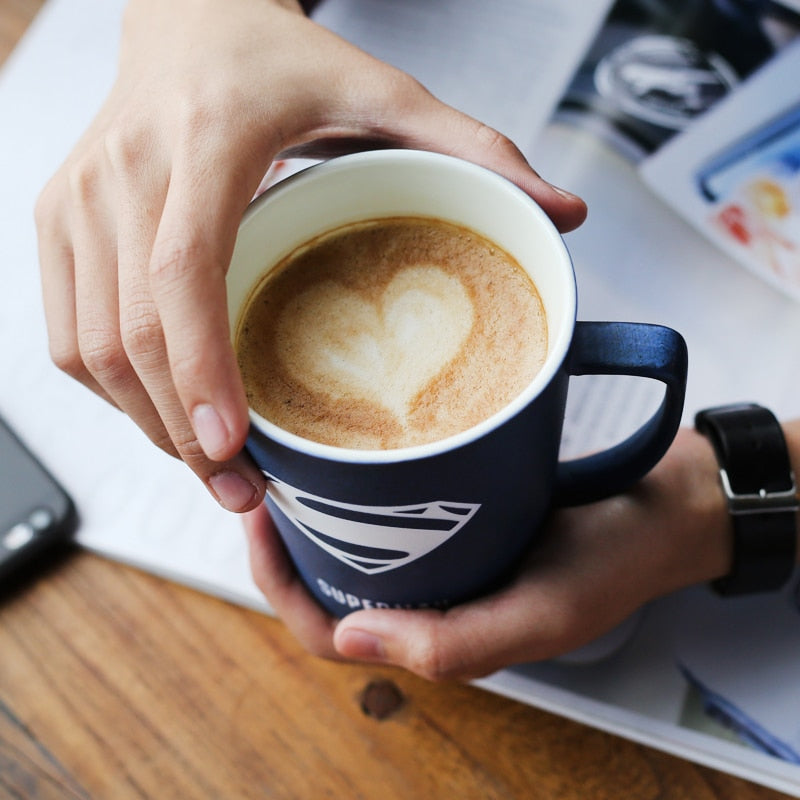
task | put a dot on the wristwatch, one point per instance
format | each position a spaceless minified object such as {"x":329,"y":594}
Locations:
{"x":761,"y":491}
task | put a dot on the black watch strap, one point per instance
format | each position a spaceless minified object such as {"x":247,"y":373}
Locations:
{"x":760,"y":487}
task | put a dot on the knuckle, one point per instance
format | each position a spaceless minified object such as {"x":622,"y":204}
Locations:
{"x":187,"y":446}
{"x":172,"y":262}
{"x":126,"y":146}
{"x":67,"y":357}
{"x":161,"y":439}
{"x":315,"y":647}
{"x":398,"y":89}
{"x":429,"y":660}
{"x":47,"y":205}
{"x":570,"y":616}
{"x":202,"y":118}
{"x":492,"y":141}
{"x":562,"y":631}
{"x":207,"y":106}
{"x":103,"y":355}
{"x":196,"y":116}
{"x":141,"y":333}
{"x":401,"y":85}
{"x":84,"y":177}
{"x":187,"y":364}
{"x":259,"y":578}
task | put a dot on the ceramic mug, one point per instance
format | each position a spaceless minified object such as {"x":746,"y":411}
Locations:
{"x":435,"y":524}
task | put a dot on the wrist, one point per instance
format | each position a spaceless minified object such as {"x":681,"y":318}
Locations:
{"x":713,"y":528}
{"x":704,"y":551}
{"x":698,"y":532}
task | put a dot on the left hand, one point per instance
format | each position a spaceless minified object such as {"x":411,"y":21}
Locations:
{"x":137,"y":227}
{"x":593,"y":567}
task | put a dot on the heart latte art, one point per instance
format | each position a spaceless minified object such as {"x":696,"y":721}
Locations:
{"x":390,"y":333}
{"x":336,"y":341}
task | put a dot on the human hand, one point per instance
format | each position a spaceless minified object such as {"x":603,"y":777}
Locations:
{"x":595,"y":566}
{"x":137,"y":228}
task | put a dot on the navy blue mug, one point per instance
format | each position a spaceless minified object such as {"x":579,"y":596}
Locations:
{"x":436,"y":524}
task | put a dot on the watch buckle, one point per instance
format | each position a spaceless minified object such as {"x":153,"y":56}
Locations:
{"x":761,"y":502}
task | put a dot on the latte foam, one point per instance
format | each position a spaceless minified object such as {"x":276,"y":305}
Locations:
{"x":390,"y":333}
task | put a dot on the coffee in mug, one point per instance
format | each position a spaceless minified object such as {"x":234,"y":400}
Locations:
{"x":390,"y":333}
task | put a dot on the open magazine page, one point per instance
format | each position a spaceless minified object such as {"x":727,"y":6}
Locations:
{"x":710,"y":679}
{"x":702,"y":663}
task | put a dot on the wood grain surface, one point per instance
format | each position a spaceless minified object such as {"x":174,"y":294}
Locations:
{"x":115,"y":684}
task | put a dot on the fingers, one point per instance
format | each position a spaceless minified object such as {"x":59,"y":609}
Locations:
{"x":97,"y":223}
{"x":93,"y":204}
{"x":473,"y":141}
{"x":391,"y":109}
{"x":137,"y":231}
{"x":525,"y":622}
{"x":57,"y":258}
{"x":425,"y":123}
{"x":230,"y":475}
{"x":590,"y":573}
{"x":466,"y":642}
{"x":594,"y":566}
{"x":572,"y":588}
{"x":277,"y":579}
{"x":189,"y":260}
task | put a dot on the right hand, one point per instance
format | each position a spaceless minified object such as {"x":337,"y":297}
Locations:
{"x":592,"y":568}
{"x":136,"y":229}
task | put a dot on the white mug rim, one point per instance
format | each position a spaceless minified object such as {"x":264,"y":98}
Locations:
{"x":557,"y":350}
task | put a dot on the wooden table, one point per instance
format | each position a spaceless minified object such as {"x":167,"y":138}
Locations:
{"x":115,"y":684}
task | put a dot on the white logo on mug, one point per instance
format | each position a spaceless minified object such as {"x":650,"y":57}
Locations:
{"x":371,"y":539}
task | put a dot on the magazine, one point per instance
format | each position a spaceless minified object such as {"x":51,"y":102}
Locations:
{"x":718,"y":83}
{"x":743,"y":190}
{"x":524,"y":67}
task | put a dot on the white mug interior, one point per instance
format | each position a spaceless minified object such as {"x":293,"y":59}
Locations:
{"x":388,"y":183}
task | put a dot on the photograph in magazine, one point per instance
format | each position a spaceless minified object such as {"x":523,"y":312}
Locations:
{"x":657,"y":66}
{"x":736,"y":174}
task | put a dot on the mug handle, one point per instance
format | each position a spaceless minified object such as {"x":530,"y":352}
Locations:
{"x":625,"y":348}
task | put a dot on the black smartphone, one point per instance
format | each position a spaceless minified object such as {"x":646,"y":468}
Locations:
{"x":36,"y":513}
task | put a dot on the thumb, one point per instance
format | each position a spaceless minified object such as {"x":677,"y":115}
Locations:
{"x":463,"y":643}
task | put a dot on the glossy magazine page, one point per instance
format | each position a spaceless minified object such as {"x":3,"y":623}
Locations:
{"x":736,"y":174}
